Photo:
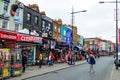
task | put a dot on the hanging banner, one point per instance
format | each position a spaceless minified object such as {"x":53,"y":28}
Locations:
{"x":118,"y":37}
{"x":118,"y":40}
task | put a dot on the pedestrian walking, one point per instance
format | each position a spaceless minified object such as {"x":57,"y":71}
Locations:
{"x":40,"y":60}
{"x":24,"y":61}
{"x":87,"y":57}
{"x":51,"y":59}
{"x":69,"y":58}
{"x":91,"y":62}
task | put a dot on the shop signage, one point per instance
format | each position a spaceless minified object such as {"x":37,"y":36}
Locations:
{"x":19,"y":37}
{"x":27,"y":38}
{"x":8,"y":35}
{"x":22,"y":37}
{"x":37,"y":40}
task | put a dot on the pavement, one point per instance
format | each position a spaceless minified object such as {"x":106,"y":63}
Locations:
{"x":115,"y":74}
{"x":33,"y":71}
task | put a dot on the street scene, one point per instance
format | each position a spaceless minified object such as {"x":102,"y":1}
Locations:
{"x":59,"y":40}
{"x":81,"y":72}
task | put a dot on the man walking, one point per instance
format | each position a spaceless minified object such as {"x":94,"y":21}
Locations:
{"x":24,"y":61}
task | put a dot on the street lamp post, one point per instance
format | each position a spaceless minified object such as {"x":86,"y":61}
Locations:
{"x":73,"y":21}
{"x":116,"y":2}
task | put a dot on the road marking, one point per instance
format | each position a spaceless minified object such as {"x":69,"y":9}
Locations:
{"x":112,"y":73}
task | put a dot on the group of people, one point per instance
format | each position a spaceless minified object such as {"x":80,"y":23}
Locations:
{"x":50,"y":59}
{"x":90,"y":59}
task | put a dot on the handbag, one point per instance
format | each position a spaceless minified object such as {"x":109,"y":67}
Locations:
{"x":89,"y":61}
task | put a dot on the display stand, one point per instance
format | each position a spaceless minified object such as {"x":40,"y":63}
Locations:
{"x":16,"y":63}
{"x":1,"y":65}
{"x":5,"y":63}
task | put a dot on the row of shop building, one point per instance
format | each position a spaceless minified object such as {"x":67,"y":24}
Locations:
{"x":17,"y":18}
{"x":26,"y":28}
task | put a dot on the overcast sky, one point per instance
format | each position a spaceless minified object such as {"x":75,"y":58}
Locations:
{"x":98,"y":21}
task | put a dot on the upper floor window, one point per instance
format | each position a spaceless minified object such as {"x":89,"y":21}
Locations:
{"x":18,"y":12}
{"x":16,"y":27}
{"x":55,"y":28}
{"x":4,"y":24}
{"x":58,"y":30}
{"x":5,"y":8}
{"x":36,"y":20}
{"x":43,"y":23}
{"x":49,"y":24}
{"x":64,"y":33}
{"x":28,"y":16}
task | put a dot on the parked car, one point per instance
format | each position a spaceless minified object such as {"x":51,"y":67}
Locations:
{"x":117,"y":62}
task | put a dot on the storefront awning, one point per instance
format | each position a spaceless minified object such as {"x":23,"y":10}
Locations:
{"x":27,"y":43}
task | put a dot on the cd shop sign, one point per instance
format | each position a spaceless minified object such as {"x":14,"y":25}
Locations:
{"x":27,"y":38}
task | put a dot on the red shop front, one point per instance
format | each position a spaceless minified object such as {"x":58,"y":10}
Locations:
{"x":7,"y":39}
{"x":12,"y":44}
{"x":7,"y":46}
{"x":29,"y":45}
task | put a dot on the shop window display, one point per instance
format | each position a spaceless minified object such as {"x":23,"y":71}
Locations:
{"x":30,"y":54}
{"x":16,"y":62}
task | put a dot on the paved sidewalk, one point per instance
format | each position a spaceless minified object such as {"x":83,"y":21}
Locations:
{"x":115,"y":75}
{"x":33,"y":71}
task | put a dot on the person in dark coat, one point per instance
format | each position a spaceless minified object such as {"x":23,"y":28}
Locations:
{"x":24,"y":61}
{"x":92,"y":62}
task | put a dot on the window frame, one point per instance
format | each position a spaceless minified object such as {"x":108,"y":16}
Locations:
{"x":43,"y":23}
{"x":18,"y":12}
{"x":5,"y":7}
{"x":5,"y":24}
{"x":36,"y":19}
{"x":58,"y":30}
{"x":16,"y":29}
{"x":28,"y":16}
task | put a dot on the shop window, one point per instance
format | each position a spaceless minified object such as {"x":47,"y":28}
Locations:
{"x":16,"y":27}
{"x":5,"y":8}
{"x":36,"y":20}
{"x":28,"y":16}
{"x":4,"y":24}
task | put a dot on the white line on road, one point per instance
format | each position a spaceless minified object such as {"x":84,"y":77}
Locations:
{"x":112,"y":73}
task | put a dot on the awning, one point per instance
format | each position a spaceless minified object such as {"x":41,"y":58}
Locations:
{"x":27,"y":43}
{"x":60,"y":45}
